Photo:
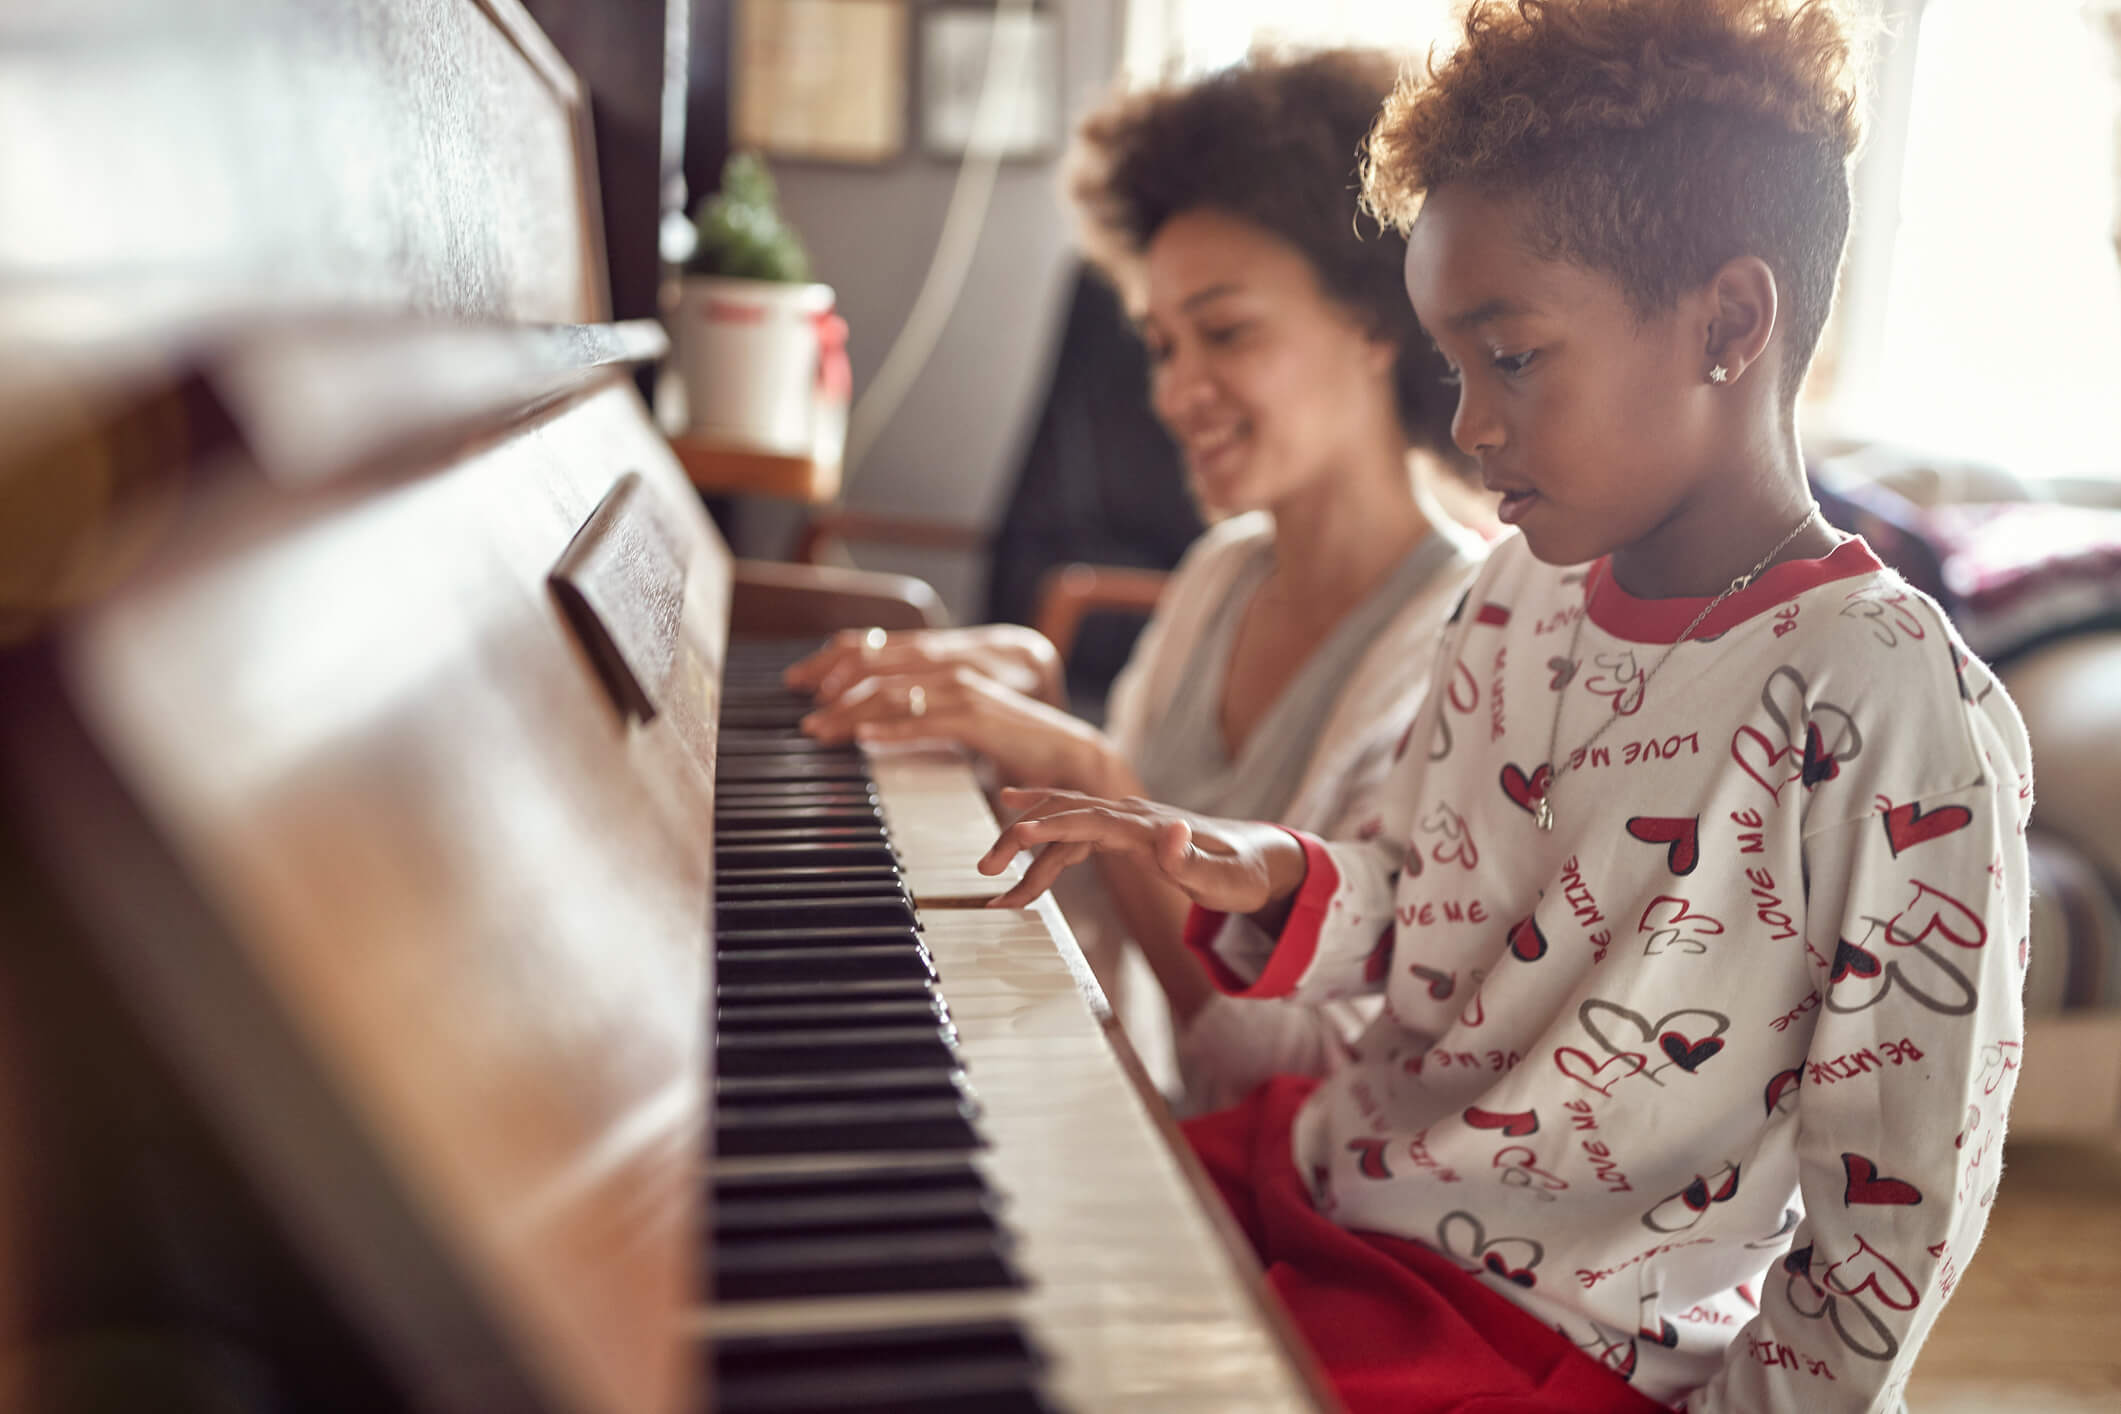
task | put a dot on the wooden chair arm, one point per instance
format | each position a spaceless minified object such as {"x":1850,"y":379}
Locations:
{"x":1070,"y":592}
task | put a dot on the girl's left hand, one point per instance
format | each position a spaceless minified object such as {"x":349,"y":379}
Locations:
{"x":1028,"y":741}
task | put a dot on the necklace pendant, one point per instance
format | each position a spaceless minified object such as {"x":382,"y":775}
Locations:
{"x":1543,"y":814}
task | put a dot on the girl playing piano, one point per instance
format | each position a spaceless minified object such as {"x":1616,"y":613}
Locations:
{"x":1700,"y":909}
{"x":1290,"y":648}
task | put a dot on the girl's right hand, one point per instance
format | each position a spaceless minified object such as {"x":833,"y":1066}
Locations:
{"x":1225,"y":866}
{"x":1016,"y":657}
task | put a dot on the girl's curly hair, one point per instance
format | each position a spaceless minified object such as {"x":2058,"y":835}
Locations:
{"x":1276,"y":142}
{"x":1656,"y":139}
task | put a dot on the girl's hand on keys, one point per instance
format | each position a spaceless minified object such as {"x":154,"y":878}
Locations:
{"x":1226,"y":866}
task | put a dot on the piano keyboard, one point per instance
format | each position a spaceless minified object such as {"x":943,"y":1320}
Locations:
{"x":935,"y":1187}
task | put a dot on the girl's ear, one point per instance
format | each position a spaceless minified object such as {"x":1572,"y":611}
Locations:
{"x":1744,"y":304}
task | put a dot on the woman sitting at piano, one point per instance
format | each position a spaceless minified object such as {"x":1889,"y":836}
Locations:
{"x":1294,"y":641}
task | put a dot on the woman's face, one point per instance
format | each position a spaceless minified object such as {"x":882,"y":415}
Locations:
{"x":1264,"y":381}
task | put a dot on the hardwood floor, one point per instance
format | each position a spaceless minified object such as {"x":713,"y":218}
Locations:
{"x":2035,"y":1327}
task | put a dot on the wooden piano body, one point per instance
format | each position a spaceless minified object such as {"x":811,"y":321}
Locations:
{"x":358,"y":713}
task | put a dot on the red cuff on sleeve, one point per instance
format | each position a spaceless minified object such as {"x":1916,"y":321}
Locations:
{"x":1297,"y":946}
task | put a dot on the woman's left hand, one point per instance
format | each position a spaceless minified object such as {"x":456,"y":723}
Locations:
{"x":1028,"y":741}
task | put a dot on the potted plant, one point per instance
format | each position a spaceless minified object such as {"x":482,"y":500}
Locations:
{"x":760,"y":351}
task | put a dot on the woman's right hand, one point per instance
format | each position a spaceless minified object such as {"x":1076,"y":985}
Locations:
{"x":1225,"y":866}
{"x":1018,"y":658}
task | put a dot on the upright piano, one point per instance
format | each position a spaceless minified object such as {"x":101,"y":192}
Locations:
{"x":435,"y":974}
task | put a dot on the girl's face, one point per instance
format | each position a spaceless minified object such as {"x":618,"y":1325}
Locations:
{"x":1264,"y":381}
{"x":1590,"y":421}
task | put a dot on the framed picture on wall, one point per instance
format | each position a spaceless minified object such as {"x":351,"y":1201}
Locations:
{"x":820,"y":79}
{"x":956,"y":44}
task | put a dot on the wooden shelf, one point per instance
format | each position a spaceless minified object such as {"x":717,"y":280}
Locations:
{"x":726,"y":469}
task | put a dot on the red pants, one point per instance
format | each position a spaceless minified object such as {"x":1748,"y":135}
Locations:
{"x":1400,"y":1329}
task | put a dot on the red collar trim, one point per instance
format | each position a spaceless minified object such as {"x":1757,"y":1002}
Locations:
{"x":1663,"y":620}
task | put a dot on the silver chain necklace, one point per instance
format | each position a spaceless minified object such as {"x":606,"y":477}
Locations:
{"x":1542,"y":811}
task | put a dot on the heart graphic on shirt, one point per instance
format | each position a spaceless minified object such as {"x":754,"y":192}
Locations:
{"x":1829,"y":737}
{"x":1686,"y":1208}
{"x":1681,"y":833}
{"x":1525,"y":789}
{"x":1597,"y":1013}
{"x":1783,"y":1083}
{"x":1688,"y":1055}
{"x":1527,"y":942}
{"x":1521,"y":1275}
{"x":1441,"y":984}
{"x":1372,"y":1162}
{"x":1380,"y":958}
{"x":1465,"y":1237}
{"x":1820,"y":764}
{"x":1853,"y":961}
{"x":1666,"y":1334}
{"x":1564,"y":669}
{"x":1591,"y":1074}
{"x":1867,"y":1185}
{"x":1908,"y":825}
{"x":1517,"y":1125}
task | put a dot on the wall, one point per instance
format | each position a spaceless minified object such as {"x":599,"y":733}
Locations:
{"x":951,"y":452}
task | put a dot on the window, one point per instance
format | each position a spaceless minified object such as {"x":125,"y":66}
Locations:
{"x":1980,"y":314}
{"x":1991,"y":327}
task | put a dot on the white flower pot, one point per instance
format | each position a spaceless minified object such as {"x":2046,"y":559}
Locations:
{"x":763,"y":364}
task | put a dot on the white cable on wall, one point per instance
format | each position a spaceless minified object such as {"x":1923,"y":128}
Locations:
{"x":963,"y":221}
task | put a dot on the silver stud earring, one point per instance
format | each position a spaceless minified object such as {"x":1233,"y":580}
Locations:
{"x":1719,"y":374}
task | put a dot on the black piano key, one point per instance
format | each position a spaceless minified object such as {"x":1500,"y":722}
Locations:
{"x":843,"y":911}
{"x":858,"y":886}
{"x":785,"y":791}
{"x":871,"y":1126}
{"x":812,"y":1049}
{"x":848,"y":989}
{"x":887,"y":876}
{"x":825,"y":964}
{"x":748,"y":816}
{"x":984,"y":1367}
{"x":868,"y":1265}
{"x":733,"y":940}
{"x":899,"y":1082}
{"x":867,"y":832}
{"x":776,"y":856}
{"x":738,"y":744}
{"x":845,"y":767}
{"x":832,"y":1011}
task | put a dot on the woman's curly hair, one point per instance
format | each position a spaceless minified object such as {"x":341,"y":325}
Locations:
{"x":1656,"y":139}
{"x":1276,"y":142}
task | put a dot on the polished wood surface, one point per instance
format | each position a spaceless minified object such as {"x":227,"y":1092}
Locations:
{"x":179,"y":164}
{"x":473,"y":883}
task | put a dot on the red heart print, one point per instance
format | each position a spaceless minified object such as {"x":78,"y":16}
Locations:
{"x":1907,"y":825}
{"x":1783,"y":1082}
{"x":1441,"y":984}
{"x":1517,"y":1125}
{"x":1494,"y":1263}
{"x":1380,"y":958}
{"x":1867,"y":1185}
{"x":1853,"y":961}
{"x":1527,"y":941}
{"x":1525,"y":789}
{"x":1689,"y":1056}
{"x":1589,"y":1072}
{"x":1681,"y":833}
{"x":1372,"y":1162}
{"x":1819,"y":763}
